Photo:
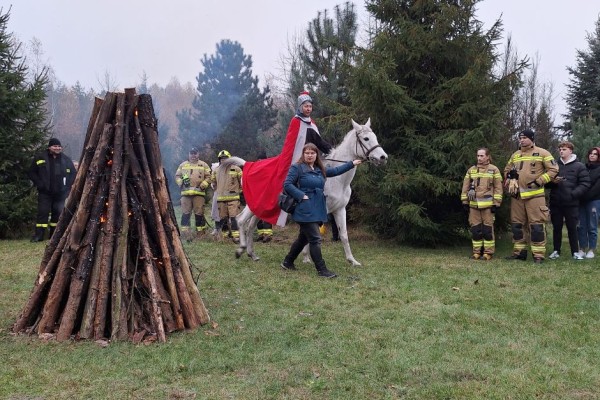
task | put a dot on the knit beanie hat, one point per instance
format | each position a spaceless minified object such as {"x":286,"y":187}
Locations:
{"x":54,"y":142}
{"x":304,"y":97}
{"x":528,"y":133}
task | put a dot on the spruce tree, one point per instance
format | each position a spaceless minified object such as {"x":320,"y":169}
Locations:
{"x":583,"y":91}
{"x":23,"y":132}
{"x":428,"y":84}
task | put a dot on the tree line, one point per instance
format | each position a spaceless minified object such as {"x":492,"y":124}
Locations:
{"x":435,"y":82}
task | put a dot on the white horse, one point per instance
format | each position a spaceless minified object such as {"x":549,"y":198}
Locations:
{"x":361,"y":142}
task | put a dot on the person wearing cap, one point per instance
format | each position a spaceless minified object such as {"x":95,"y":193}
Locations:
{"x":528,"y":170}
{"x":228,"y":187}
{"x":193,"y":176}
{"x":53,"y":174}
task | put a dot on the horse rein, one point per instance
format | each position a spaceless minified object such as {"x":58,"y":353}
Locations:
{"x":365,"y":149}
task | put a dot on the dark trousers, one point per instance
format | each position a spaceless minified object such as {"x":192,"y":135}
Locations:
{"x":49,"y":205}
{"x":309,"y":234}
{"x":570,"y":216}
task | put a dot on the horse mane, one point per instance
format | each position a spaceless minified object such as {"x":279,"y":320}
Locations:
{"x":335,"y":149}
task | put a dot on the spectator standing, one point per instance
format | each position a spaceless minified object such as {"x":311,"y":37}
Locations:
{"x":53,"y":174}
{"x":571,"y":183}
{"x":589,"y":204}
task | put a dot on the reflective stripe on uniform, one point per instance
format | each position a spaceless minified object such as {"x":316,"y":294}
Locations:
{"x":228,"y":198}
{"x":528,"y":193}
{"x":192,"y":192}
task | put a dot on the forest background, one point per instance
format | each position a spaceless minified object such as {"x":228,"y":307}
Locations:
{"x":432,"y":78}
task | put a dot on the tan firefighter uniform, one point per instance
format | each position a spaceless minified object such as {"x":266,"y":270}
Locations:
{"x":193,"y":178}
{"x":528,"y":210}
{"x":228,"y":188}
{"x":486,"y":182}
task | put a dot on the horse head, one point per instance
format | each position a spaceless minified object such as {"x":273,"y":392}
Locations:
{"x":367,"y":145}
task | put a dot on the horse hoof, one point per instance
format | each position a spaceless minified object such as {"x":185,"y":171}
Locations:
{"x":254,"y":257}
{"x":239,"y":252}
{"x":355,"y":263}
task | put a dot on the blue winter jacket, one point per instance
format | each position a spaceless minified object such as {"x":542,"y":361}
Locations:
{"x":301,"y":180}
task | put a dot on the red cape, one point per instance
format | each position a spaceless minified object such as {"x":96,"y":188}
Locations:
{"x":263,"y":179}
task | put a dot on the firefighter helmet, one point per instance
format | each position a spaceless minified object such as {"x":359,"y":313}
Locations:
{"x":224,"y":154}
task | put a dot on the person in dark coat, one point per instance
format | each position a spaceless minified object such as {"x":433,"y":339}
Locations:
{"x":589,"y":204}
{"x":305,"y":182}
{"x":571,"y":183}
{"x":53,"y":174}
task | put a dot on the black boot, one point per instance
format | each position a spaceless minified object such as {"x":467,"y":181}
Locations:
{"x":522,"y":255}
{"x":324,"y":272}
{"x":38,"y":236}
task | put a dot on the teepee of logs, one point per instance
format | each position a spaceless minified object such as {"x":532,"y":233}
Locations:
{"x":115,"y":267}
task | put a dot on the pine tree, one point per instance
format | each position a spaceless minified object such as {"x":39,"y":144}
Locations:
{"x":428,"y":84}
{"x":583,"y":91}
{"x":22,"y":132}
{"x":324,"y":67}
{"x":229,"y":109}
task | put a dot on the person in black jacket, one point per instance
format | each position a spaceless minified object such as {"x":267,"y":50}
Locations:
{"x":589,"y":204}
{"x":53,"y":174}
{"x":571,"y":183}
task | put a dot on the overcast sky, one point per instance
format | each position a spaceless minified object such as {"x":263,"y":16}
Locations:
{"x":83,"y":39}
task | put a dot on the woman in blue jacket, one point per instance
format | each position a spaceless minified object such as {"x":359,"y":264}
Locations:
{"x":305,"y":182}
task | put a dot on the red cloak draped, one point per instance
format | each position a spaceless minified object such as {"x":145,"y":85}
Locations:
{"x":263,"y":179}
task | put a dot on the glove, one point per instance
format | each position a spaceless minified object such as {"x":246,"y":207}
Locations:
{"x":203,"y":185}
{"x":185,"y":180}
{"x":512,"y":174}
{"x":494,"y":209}
{"x":471,"y":195}
{"x":513,"y":187}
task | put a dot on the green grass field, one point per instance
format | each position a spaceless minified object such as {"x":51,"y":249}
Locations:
{"x":410,"y":324}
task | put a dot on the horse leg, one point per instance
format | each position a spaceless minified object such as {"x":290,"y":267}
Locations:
{"x":340,"y":220}
{"x":306,"y":255}
{"x":242,"y":220}
{"x":250,"y":228}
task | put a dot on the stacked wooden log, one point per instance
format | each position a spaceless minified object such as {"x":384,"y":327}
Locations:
{"x":115,"y":267}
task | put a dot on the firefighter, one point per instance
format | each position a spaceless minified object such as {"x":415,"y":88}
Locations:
{"x":481,"y":195}
{"x":526,"y":173}
{"x":228,"y":187}
{"x":53,"y":174}
{"x":193,"y":177}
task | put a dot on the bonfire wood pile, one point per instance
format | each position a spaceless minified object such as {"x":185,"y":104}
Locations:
{"x":115,"y":267}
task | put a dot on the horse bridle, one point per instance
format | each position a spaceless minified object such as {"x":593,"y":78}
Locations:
{"x":365,"y":149}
